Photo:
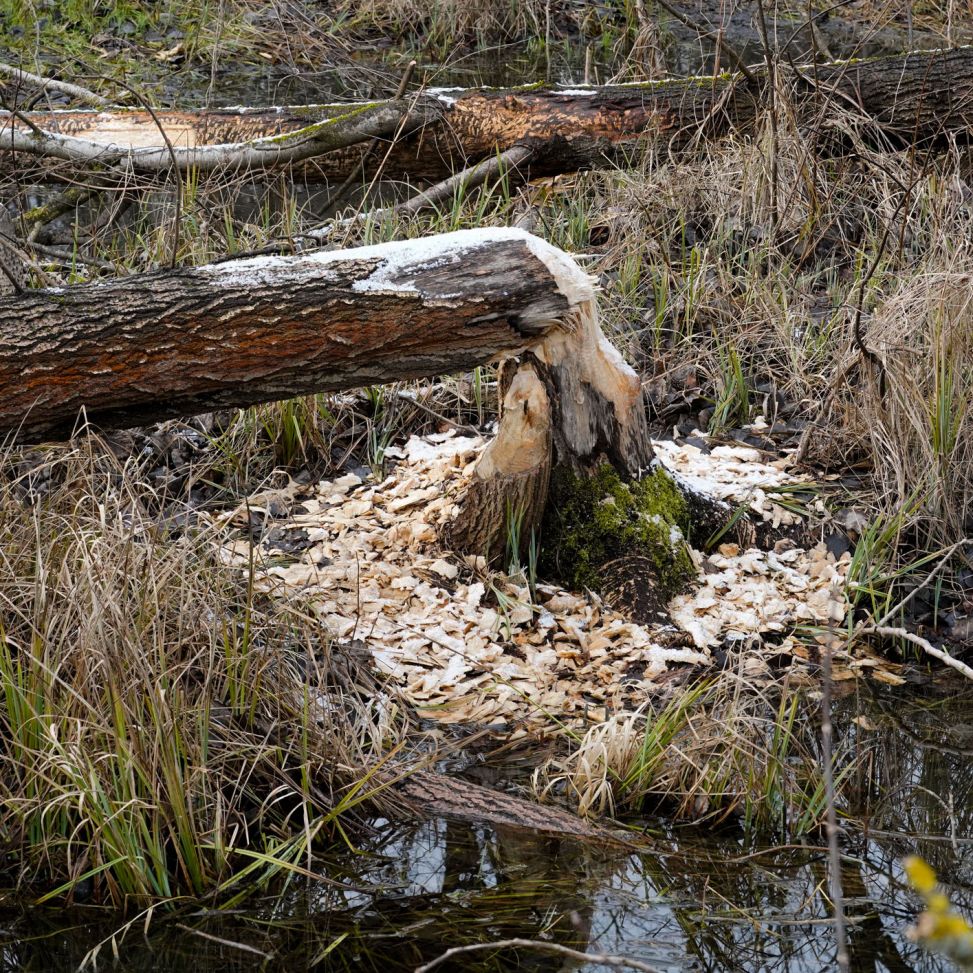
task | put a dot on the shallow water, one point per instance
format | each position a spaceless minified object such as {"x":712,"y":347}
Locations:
{"x":698,"y":899}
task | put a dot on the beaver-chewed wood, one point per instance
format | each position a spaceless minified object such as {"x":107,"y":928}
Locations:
{"x":572,"y":403}
{"x":153,"y":346}
{"x":910,"y":98}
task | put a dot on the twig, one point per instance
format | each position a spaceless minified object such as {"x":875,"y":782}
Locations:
{"x":50,"y":84}
{"x":11,"y":278}
{"x":469,"y":178}
{"x":880,"y":628}
{"x":24,"y":258}
{"x":810,"y":21}
{"x":419,"y":404}
{"x":18,"y":114}
{"x":947,"y":554}
{"x":604,"y":959}
{"x":927,"y":647}
{"x":246,"y":947}
{"x":46,"y":213}
{"x":68,"y":257}
{"x":836,"y":606}
{"x":342,"y":191}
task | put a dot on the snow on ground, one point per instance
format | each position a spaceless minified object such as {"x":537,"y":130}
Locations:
{"x":468,"y":645}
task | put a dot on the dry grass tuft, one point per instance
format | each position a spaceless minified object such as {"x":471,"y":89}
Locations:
{"x":449,"y":23}
{"x":723,"y":750}
{"x":161,"y":731}
{"x":917,"y":407}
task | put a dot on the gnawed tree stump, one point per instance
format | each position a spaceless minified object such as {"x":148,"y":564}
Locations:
{"x":154,"y":346}
{"x":572,"y":462}
{"x":571,"y":401}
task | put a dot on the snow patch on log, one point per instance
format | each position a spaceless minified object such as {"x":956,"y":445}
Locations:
{"x":738,"y":475}
{"x":444,"y":95}
{"x":398,"y":259}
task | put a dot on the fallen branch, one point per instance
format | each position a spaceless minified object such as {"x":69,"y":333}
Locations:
{"x":360,"y":123}
{"x":927,"y":647}
{"x":599,"y":959}
{"x":438,"y":795}
{"x":911,"y":98}
{"x":50,"y":84}
{"x":442,"y":192}
{"x":464,"y":181}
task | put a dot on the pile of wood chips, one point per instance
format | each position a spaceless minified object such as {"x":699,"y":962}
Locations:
{"x":473,"y":646}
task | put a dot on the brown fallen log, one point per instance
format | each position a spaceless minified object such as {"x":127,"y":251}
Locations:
{"x":146,"y":347}
{"x":436,"y":795}
{"x":909,"y":97}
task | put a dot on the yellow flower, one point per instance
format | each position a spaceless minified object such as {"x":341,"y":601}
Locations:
{"x":939,"y":928}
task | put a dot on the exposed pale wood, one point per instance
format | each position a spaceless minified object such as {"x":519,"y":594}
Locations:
{"x":511,"y":477}
{"x":172,"y":343}
{"x":573,"y":402}
{"x":911,"y":97}
{"x":132,"y":146}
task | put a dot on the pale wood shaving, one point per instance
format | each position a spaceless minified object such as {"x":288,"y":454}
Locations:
{"x":471,"y":646}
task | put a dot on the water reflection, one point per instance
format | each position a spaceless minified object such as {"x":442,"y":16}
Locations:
{"x":695,"y":900}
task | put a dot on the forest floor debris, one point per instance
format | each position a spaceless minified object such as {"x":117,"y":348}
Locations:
{"x":477,"y":647}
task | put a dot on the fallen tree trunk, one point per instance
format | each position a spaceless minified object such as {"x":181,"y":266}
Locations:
{"x":151,"y":346}
{"x":910,"y":97}
{"x":125,"y":140}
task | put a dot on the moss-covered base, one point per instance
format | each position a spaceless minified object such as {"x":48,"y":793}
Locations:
{"x":600,"y":532}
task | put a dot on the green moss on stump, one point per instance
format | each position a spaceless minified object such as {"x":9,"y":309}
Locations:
{"x":597,"y":519}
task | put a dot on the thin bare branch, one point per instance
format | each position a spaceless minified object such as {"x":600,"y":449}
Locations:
{"x":463,"y":181}
{"x":51,"y":84}
{"x":926,"y":646}
{"x":602,"y":959}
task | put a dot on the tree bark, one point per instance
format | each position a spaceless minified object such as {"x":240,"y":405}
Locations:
{"x":432,"y":794}
{"x":911,"y":98}
{"x":152,"y":346}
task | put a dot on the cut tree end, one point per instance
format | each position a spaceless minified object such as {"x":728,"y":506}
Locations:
{"x":572,"y":463}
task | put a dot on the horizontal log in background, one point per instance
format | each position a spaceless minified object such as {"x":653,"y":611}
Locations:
{"x":908,"y":97}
